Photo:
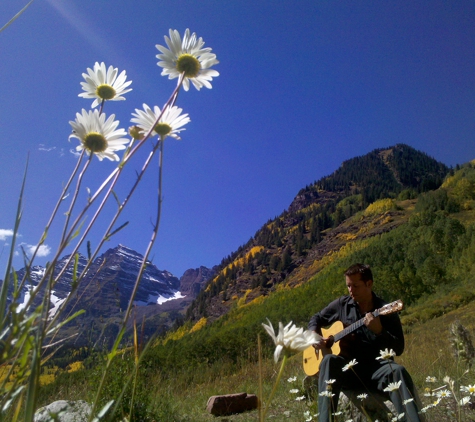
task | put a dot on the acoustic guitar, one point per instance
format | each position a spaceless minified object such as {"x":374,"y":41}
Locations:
{"x":312,"y":357}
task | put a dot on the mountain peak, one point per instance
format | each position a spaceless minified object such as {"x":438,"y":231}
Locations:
{"x":381,"y":173}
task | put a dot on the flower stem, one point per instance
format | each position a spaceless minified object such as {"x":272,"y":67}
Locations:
{"x":279,"y":376}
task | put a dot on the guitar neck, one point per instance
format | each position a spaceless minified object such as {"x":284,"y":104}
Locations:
{"x":353,"y":327}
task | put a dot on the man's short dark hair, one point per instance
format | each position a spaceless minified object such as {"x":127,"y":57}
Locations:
{"x":362,"y":269}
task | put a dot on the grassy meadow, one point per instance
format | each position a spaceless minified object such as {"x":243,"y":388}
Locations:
{"x":182,"y":395}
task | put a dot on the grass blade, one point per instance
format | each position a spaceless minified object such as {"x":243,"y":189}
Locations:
{"x":15,"y":17}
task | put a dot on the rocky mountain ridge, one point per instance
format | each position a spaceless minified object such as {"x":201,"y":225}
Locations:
{"x":105,"y":290}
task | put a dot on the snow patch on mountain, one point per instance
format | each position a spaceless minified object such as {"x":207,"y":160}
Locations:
{"x":158,"y":299}
{"x":56,"y":302}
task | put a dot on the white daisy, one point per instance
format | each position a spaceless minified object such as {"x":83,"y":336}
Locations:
{"x":431,"y":379}
{"x":300,"y":398}
{"x":104,"y":85}
{"x":393,"y":386}
{"x":362,"y":396}
{"x":188,"y":56}
{"x":444,"y":393}
{"x":386,"y":354}
{"x":350,"y":365}
{"x":98,"y":135}
{"x":326,"y":394}
{"x":464,"y":401}
{"x":290,"y":338}
{"x":170,"y":123}
{"x":294,"y":391}
{"x":468,"y":389}
{"x":292,"y":379}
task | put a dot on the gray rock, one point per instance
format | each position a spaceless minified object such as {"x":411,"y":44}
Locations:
{"x":64,"y":411}
{"x":231,"y":403}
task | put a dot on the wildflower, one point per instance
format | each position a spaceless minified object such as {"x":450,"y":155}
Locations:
{"x":449,"y":381}
{"x":431,"y":379}
{"x":464,"y":401}
{"x":407,"y":401}
{"x":443,"y":393}
{"x":290,"y":338}
{"x":307,"y":416}
{"x":294,"y":391}
{"x":300,"y":398}
{"x":393,"y":386}
{"x":104,"y":85}
{"x":98,"y":135}
{"x":170,"y":123}
{"x":187,"y":56}
{"x":398,"y":417}
{"x":326,"y":393}
{"x":425,"y":409}
{"x":470,"y":389}
{"x":330,"y":381}
{"x":350,"y":365}
{"x":362,"y":396}
{"x":337,"y":413}
{"x":292,"y":379}
{"x":386,"y":354}
{"x":136,"y":133}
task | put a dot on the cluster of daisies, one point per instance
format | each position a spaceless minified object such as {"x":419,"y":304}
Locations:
{"x":185,"y":59}
{"x":437,"y":395}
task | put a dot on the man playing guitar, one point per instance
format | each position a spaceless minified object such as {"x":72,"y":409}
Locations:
{"x":365,"y":360}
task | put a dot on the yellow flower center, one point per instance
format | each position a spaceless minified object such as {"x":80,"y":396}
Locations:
{"x":188,"y":64}
{"x":106,"y":92}
{"x":95,"y":142}
{"x":162,"y":129}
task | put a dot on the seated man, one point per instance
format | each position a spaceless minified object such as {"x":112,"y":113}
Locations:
{"x":372,"y":370}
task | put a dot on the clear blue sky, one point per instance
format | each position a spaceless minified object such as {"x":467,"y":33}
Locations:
{"x":303,"y":86}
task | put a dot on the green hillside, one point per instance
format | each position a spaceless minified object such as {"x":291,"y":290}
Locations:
{"x":288,"y":249}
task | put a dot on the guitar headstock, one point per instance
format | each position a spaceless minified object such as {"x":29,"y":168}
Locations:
{"x":395,"y":306}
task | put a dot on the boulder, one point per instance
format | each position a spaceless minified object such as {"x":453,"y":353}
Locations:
{"x":231,"y":403}
{"x":64,"y":411}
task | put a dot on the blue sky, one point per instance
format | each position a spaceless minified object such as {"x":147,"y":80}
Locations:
{"x":303,"y":86}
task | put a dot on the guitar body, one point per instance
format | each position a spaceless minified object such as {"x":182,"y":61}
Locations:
{"x":313,"y":357}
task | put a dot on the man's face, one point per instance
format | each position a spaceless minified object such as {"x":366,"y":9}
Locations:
{"x":358,"y":289}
